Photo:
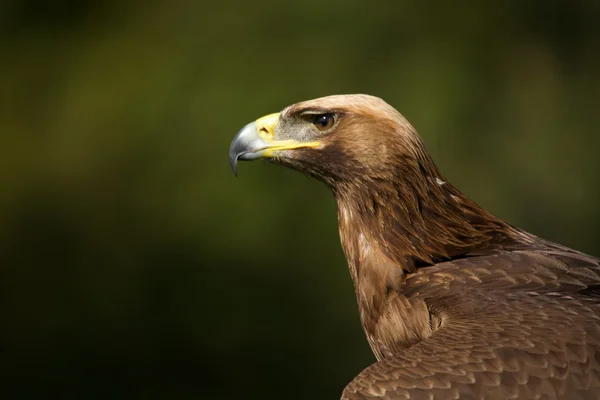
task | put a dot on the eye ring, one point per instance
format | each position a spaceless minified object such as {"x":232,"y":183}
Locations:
{"x":323,"y":122}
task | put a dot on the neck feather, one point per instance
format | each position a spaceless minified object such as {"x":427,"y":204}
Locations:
{"x":414,"y":222}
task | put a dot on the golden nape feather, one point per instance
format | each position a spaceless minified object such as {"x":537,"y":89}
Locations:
{"x":455,"y":302}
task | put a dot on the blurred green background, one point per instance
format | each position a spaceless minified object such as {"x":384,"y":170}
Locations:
{"x":134,"y":265}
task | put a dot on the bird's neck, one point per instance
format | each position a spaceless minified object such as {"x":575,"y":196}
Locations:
{"x":394,"y":228}
{"x":412,"y":224}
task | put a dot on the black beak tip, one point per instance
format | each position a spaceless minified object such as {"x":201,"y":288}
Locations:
{"x":233,"y":161}
{"x":241,"y":145}
{"x":234,"y":154}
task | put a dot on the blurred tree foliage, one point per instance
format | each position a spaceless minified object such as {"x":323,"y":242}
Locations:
{"x":134,"y":264}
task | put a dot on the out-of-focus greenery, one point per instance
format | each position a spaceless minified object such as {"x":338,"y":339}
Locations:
{"x":133,"y":264}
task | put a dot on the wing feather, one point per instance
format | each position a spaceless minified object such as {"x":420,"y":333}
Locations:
{"x":520,"y":327}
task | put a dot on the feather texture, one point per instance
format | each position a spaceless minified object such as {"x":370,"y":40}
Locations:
{"x":455,"y":302}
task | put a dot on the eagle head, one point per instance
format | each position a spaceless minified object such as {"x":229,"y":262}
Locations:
{"x":341,"y":140}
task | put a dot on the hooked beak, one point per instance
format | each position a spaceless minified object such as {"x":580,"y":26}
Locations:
{"x":256,"y":140}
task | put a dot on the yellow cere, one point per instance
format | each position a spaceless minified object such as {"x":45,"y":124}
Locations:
{"x":265,"y":126}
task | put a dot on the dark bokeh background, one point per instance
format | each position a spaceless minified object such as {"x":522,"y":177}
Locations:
{"x":134,"y":265}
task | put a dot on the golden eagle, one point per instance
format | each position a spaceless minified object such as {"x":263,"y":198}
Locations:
{"x":455,"y":302}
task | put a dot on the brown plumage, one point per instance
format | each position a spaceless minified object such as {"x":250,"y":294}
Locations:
{"x":455,"y":302}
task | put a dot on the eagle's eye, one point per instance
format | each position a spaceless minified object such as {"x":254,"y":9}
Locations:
{"x":323,"y":121}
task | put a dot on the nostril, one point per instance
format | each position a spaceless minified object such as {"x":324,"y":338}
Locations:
{"x":265,"y":133}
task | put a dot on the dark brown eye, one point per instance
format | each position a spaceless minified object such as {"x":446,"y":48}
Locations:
{"x":324,"y":121}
